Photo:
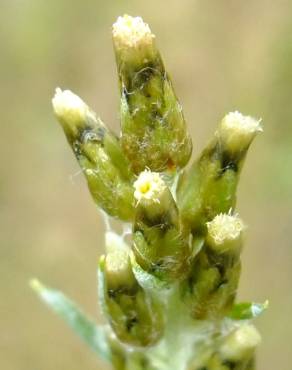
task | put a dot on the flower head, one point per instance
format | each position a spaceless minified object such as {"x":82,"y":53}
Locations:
{"x":69,"y":107}
{"x":241,"y":343}
{"x":224,"y":232}
{"x":131,"y":32}
{"x":238,"y":131}
{"x":148,"y":186}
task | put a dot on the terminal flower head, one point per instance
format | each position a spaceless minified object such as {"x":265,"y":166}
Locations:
{"x":238,"y":131}
{"x":69,"y":107}
{"x":131,"y":32}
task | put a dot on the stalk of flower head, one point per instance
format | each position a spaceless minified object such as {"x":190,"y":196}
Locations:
{"x":153,"y":127}
{"x":211,"y":287}
{"x":99,"y":155}
{"x":209,"y":187}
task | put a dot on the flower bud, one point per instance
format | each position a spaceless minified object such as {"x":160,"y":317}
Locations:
{"x":99,"y":155}
{"x":212,"y":285}
{"x":134,"y":316}
{"x":154,"y":133}
{"x":209,"y":187}
{"x":159,"y":245}
{"x":240,"y":344}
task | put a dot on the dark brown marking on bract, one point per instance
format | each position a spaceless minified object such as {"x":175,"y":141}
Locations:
{"x":131,"y":322}
{"x":230,"y":364}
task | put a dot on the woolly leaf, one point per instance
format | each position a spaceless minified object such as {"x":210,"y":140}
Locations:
{"x":83,"y":326}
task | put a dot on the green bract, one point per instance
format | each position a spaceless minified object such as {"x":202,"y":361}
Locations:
{"x":168,"y":291}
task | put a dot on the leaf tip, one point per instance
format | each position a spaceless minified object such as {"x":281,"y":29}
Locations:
{"x":36,"y":285}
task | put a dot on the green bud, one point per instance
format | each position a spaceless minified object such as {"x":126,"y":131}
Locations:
{"x":99,"y":154}
{"x":212,"y":286}
{"x":159,"y":246}
{"x":209,"y":187}
{"x":222,"y":299}
{"x":240,"y":344}
{"x":203,"y":282}
{"x":222,"y":249}
{"x":133,"y":315}
{"x":154,"y":132}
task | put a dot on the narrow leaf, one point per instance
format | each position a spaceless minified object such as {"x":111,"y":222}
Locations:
{"x":83,"y":326}
{"x":247,"y":310}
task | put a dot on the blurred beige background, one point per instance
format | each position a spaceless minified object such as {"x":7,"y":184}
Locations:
{"x":223,"y":55}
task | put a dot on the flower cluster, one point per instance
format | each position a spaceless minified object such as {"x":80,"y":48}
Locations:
{"x":169,"y":293}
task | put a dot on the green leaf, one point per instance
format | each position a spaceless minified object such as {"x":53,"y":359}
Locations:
{"x":247,"y":310}
{"x":86,"y":328}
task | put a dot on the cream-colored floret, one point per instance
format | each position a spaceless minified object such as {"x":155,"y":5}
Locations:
{"x":148,"y":186}
{"x":118,"y":269}
{"x":225,"y":227}
{"x":131,"y":31}
{"x":236,"y":120}
{"x":238,"y":130}
{"x":69,"y":107}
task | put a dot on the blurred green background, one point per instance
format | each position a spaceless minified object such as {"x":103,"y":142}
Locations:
{"x":223,"y":55}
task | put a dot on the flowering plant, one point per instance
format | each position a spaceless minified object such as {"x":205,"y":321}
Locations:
{"x":169,"y":292}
